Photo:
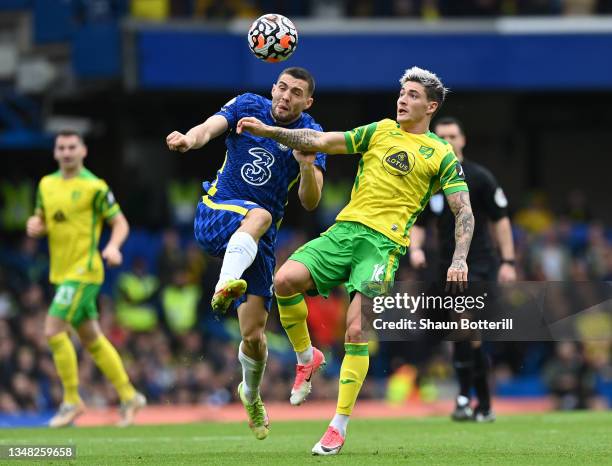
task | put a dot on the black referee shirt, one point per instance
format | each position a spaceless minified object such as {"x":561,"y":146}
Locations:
{"x":488,"y":203}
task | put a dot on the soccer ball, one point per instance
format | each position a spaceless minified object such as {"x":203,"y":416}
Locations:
{"x":272,"y":38}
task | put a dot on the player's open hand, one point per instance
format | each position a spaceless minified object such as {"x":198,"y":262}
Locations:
{"x":112,"y":255}
{"x":35,"y":227}
{"x":253,"y":126}
{"x":457,"y":276}
{"x":304,"y":158}
{"x":179,"y":142}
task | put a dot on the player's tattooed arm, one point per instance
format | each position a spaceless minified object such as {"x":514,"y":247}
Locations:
{"x":300,"y":139}
{"x":459,"y":204}
{"x":305,"y":140}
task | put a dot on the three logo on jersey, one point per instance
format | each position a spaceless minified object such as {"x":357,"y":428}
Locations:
{"x":258,"y":171}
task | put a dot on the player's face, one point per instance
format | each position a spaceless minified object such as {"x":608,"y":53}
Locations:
{"x":69,"y":152}
{"x":452,"y":133}
{"x":413,"y":105}
{"x":290,"y":97}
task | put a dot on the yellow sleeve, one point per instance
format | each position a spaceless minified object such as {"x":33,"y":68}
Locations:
{"x":106,"y":205}
{"x":451,"y":176}
{"x":358,"y":139}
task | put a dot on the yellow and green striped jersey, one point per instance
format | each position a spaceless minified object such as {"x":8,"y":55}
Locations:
{"x":397,"y":174}
{"x":74,"y":210}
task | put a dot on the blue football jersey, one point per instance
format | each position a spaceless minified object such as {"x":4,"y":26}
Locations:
{"x":258,"y":169}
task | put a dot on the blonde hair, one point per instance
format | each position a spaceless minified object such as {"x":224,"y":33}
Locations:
{"x":434,"y":88}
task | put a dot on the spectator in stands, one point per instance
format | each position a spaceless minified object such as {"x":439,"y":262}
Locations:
{"x":470,"y":8}
{"x":579,"y":7}
{"x":576,"y":207}
{"x":171,"y":257}
{"x":136,"y":290}
{"x":150,"y":10}
{"x":537,"y":7}
{"x":536,"y":216}
{"x":180,"y":302}
{"x":570,"y":381}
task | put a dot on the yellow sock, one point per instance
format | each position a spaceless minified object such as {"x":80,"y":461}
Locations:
{"x":293,"y":312}
{"x":107,"y":359}
{"x":65,"y":361}
{"x":352,"y":374}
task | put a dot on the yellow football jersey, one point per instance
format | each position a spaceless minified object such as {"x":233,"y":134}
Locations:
{"x":74,"y":210}
{"x":397,"y":174}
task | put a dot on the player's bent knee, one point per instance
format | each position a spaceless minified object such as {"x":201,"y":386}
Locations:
{"x":259,"y":218}
{"x":354,"y":334}
{"x":50,"y":333}
{"x":53,"y":327}
{"x":254,"y":340}
{"x":289,"y":281}
{"x":283,"y":283}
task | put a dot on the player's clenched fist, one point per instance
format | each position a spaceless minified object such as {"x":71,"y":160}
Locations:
{"x":35,"y":227}
{"x":112,"y":256}
{"x":180,"y":142}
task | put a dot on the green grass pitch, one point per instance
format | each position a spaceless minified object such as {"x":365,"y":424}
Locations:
{"x":556,"y":439}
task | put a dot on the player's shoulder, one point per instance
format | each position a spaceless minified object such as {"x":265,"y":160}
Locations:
{"x":50,"y":178}
{"x":386,"y":124}
{"x":247,"y":100}
{"x":250,"y":98}
{"x":440,"y":146}
{"x":90,"y":179}
{"x":308,"y":121}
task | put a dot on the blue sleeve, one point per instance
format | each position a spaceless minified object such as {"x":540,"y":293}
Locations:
{"x":236,"y":109}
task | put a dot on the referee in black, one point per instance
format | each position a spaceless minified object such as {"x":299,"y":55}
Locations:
{"x":489,"y":205}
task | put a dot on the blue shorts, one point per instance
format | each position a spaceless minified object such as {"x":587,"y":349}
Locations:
{"x":216,"y":221}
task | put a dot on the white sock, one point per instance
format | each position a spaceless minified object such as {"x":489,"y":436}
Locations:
{"x":252,"y":373}
{"x":239,"y":255}
{"x":304,"y":357}
{"x":340,"y":422}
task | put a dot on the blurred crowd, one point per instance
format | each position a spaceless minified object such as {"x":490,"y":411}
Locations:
{"x":156,"y":311}
{"x":162,"y":10}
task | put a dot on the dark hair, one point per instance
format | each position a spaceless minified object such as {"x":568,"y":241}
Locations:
{"x":300,"y":73}
{"x":449,"y":121}
{"x":70,"y":132}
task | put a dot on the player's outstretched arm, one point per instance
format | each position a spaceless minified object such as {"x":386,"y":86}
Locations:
{"x":120,"y":230}
{"x":198,"y":136}
{"x":35,"y":226}
{"x":305,"y":140}
{"x":459,"y":203}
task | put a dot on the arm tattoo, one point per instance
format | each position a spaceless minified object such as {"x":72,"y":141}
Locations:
{"x":301,"y":139}
{"x":459,"y":203}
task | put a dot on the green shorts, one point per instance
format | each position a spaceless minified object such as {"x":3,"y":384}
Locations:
{"x":74,"y":302}
{"x":352,"y":254}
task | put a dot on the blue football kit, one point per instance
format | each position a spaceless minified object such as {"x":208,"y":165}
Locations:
{"x":258,"y":172}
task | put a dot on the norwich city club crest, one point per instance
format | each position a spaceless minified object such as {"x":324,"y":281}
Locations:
{"x":398,"y":162}
{"x":426,"y":151}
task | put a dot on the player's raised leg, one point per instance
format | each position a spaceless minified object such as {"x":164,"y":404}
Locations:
{"x":65,"y":360}
{"x":109,"y":362}
{"x":352,"y":374}
{"x":239,"y":255}
{"x":290,"y":282}
{"x":253,"y":354}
